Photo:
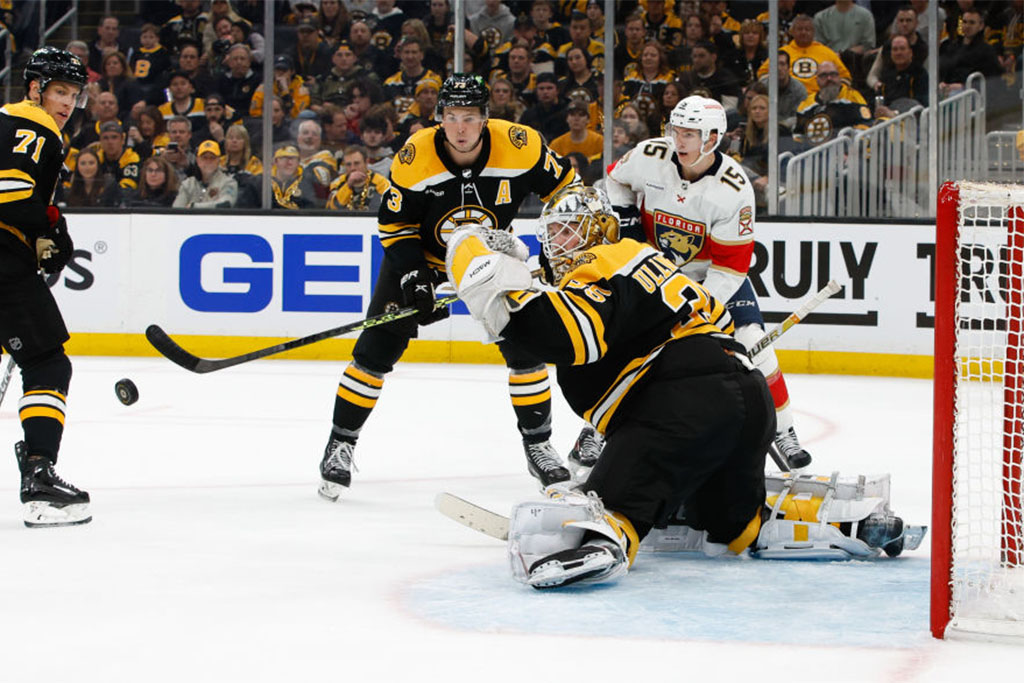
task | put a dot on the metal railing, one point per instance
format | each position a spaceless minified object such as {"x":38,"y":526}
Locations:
{"x":7,"y":73}
{"x":883,"y":171}
{"x":1005,"y":164}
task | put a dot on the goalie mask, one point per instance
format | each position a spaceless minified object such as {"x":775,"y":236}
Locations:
{"x":575,"y":219}
{"x":698,"y":113}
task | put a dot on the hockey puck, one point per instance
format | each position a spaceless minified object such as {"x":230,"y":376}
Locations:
{"x":127,"y":392}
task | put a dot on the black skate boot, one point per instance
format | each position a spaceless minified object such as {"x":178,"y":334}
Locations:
{"x":791,"y":451}
{"x":544,"y":464}
{"x":336,"y":469}
{"x":589,"y":562}
{"x":48,"y":500}
{"x":585,"y":453}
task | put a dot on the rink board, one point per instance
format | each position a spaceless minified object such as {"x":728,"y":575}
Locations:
{"x":225,"y":284}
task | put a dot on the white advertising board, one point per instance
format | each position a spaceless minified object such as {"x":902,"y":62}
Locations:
{"x":286,"y":275}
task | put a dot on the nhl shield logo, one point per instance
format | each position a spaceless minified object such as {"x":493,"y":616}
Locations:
{"x":679,"y":238}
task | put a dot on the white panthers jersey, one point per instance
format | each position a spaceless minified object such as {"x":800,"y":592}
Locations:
{"x":705,"y":226}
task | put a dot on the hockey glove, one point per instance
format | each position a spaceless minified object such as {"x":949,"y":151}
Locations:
{"x":418,"y":290}
{"x":55,"y":248}
{"x":630,"y":224}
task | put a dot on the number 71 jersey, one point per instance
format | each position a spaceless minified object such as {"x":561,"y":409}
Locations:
{"x":698,"y":224}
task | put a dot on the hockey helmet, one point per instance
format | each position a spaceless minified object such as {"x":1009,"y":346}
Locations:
{"x":699,"y":113}
{"x":53,"y":64}
{"x":463,"y":90}
{"x":576,"y":218}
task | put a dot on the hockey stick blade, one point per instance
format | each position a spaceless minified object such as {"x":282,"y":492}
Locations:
{"x":174,"y":352}
{"x":475,"y":517}
{"x":796,"y":316}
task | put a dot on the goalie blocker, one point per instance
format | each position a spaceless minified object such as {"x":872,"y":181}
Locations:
{"x":573,"y":539}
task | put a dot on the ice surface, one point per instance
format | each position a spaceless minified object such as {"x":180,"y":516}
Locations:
{"x":211,"y":558}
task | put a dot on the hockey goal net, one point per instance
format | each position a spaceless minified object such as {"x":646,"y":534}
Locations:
{"x":977,"y":584}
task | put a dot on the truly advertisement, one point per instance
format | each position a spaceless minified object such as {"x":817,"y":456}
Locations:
{"x":286,"y":275}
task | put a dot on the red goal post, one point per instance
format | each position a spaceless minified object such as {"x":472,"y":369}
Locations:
{"x":977,"y":578}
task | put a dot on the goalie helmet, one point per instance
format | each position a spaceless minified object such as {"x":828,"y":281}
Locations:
{"x":463,"y":90}
{"x":698,"y":113}
{"x":49,"y":64}
{"x":575,"y":219}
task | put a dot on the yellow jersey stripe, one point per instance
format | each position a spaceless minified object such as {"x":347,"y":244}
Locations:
{"x":590,"y":321}
{"x":573,"y":330}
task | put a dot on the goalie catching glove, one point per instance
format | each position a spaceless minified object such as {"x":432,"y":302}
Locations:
{"x":483,"y":265}
{"x":55,"y":248}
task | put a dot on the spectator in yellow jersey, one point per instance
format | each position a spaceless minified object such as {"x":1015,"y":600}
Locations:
{"x":806,"y":55}
{"x":287,"y":85}
{"x":183,"y":101}
{"x":832,"y":107}
{"x":358,"y":188}
{"x":579,"y":138}
{"x":116,"y":160}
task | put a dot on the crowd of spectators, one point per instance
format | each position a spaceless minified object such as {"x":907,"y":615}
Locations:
{"x":176,"y":93}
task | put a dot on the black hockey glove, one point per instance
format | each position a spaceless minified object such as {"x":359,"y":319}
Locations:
{"x":55,"y":248}
{"x":629,"y":223}
{"x":418,"y":290}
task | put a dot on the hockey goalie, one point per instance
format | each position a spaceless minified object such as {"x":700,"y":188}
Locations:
{"x":647,"y":356}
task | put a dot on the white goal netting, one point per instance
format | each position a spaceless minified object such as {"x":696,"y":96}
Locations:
{"x":987,"y":562}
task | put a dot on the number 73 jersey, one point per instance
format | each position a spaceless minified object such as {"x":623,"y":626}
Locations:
{"x":702,"y":224}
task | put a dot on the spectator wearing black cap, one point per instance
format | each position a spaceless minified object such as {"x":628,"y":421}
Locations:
{"x":219,"y":117}
{"x":548,"y":115}
{"x":287,"y":85}
{"x":579,"y":138}
{"x":333,"y":86}
{"x":239,"y":82}
{"x":311,"y":54}
{"x":183,"y":100}
{"x":120,"y":162}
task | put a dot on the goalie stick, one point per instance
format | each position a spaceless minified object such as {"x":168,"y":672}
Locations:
{"x":496,"y":526}
{"x":171,"y":350}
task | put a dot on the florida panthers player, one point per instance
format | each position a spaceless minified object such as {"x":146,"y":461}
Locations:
{"x":697,"y":206}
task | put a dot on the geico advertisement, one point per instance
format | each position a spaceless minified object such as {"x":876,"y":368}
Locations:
{"x":286,"y":275}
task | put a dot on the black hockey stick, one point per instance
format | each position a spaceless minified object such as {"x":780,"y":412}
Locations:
{"x":171,"y":350}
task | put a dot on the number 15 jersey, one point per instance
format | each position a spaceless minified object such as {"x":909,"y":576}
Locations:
{"x":705,"y":226}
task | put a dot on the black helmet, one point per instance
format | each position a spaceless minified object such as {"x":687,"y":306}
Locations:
{"x":463,"y":90}
{"x":53,"y":64}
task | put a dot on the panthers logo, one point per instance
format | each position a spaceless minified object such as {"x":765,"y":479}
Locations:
{"x":677,"y":237}
{"x":463,"y":215}
{"x":518,"y":136}
{"x":406,"y":154}
{"x":819,"y":129}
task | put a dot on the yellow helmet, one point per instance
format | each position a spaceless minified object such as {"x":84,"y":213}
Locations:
{"x":577,"y":218}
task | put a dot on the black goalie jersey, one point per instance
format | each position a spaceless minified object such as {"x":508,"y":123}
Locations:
{"x":613,"y":318}
{"x":31,"y":156}
{"x":430,"y":196}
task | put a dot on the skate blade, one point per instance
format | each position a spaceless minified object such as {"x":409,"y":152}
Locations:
{"x":555,"y":573}
{"x":38,"y":514}
{"x":329,"y":490}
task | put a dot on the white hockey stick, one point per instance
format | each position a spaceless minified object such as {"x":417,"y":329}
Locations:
{"x":796,"y":316}
{"x":496,"y":526}
{"x":8,"y":372}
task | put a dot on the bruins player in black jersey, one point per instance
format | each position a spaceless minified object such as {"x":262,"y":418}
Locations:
{"x":33,"y":237}
{"x":468,"y":169}
{"x":645,"y":355}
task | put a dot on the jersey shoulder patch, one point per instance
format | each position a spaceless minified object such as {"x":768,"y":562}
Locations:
{"x":607,"y":260}
{"x":514,"y":147}
{"x":416,"y":165}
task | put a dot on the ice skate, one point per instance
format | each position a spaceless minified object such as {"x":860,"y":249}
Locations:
{"x":48,"y":500}
{"x":336,"y":469}
{"x":544,"y":464}
{"x":586,"y":563}
{"x":585,"y":452}
{"x":791,"y":451}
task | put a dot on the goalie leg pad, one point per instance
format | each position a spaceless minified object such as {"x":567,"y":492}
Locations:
{"x":482,"y":277}
{"x":567,"y":540}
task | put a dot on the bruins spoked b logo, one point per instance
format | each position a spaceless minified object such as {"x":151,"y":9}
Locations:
{"x":517,"y":135}
{"x":463,"y":215}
